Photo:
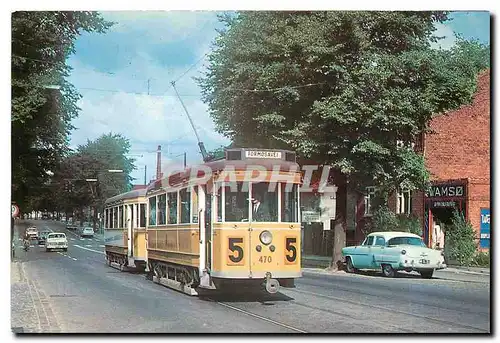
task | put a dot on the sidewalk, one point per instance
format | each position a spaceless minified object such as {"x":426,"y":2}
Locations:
{"x":30,"y":309}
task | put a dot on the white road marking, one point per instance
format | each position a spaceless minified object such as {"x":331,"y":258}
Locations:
{"x":88,"y":245}
{"x":102,"y":246}
{"x":72,"y":238}
{"x":74,"y":259}
{"x":99,"y":252}
{"x":32,"y":246}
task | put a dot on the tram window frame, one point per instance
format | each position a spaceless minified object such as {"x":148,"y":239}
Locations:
{"x":152,"y":211}
{"x":172,"y":196}
{"x":161,"y":209}
{"x":294,"y":206}
{"x":240,"y":195}
{"x":195,"y":203}
{"x":218,"y":202}
{"x":142,"y":216}
{"x":264,"y":200}
{"x":185,"y":201}
{"x":115,"y":217}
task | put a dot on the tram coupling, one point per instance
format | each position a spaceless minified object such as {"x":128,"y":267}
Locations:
{"x":272,"y":285}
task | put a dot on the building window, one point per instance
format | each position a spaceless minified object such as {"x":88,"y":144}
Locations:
{"x":403,"y":205}
{"x":370,"y":194}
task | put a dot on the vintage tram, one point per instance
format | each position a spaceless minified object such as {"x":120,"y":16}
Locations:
{"x":226,"y":224}
{"x":125,"y":230}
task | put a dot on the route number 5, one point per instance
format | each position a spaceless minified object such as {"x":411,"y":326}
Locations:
{"x":291,"y":250}
{"x":235,"y":253}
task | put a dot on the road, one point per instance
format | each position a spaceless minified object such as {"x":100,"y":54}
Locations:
{"x":75,"y":291}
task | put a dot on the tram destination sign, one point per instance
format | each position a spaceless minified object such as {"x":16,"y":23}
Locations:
{"x":446,"y":191}
{"x":263,"y":154}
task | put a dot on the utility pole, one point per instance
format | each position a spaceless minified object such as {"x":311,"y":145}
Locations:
{"x":185,"y":160}
{"x":145,"y":170}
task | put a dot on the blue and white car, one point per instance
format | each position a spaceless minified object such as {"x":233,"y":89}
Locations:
{"x":393,"y":251}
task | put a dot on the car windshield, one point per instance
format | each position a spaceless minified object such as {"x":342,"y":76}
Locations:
{"x":57,"y":235}
{"x":407,"y":241}
{"x":89,"y":229}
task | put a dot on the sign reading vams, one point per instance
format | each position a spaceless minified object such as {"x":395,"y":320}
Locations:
{"x":446,"y":191}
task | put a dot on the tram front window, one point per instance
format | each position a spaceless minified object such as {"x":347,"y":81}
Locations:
{"x":264,"y":203}
{"x":236,"y":204}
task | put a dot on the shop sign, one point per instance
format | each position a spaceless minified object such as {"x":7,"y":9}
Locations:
{"x":446,"y":191}
{"x":311,"y":216}
{"x":484,"y":231}
{"x":444,"y":204}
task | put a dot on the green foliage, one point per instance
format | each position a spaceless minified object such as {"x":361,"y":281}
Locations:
{"x":383,"y":219}
{"x":218,"y":153}
{"x":481,"y":259}
{"x":410,"y":224}
{"x":460,"y":243}
{"x":340,"y":88}
{"x":41,"y":117}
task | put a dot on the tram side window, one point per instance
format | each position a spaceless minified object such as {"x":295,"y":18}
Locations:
{"x":185,"y":206}
{"x":142,"y":216}
{"x":264,"y":203}
{"x":289,"y":203}
{"x":152,"y":211}
{"x":195,"y":204}
{"x":115,"y":218}
{"x":162,"y":208}
{"x":236,"y":203}
{"x":172,"y":208}
{"x":106,"y":218}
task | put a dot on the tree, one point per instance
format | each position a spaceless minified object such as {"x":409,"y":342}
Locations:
{"x":95,"y":160}
{"x":41,"y":117}
{"x":341,"y":88}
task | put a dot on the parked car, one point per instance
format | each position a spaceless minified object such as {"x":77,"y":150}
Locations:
{"x":32,"y":232}
{"x":391,"y":252}
{"x":43,"y":237}
{"x":87,"y":232}
{"x":56,"y":240}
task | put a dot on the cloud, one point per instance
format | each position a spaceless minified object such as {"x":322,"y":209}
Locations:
{"x":448,"y":40}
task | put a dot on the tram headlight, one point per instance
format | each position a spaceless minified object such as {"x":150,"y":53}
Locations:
{"x":266,"y":237}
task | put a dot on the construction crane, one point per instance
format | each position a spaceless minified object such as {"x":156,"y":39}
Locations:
{"x":204,"y":154}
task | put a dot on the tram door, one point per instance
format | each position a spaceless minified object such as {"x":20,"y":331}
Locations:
{"x":208,"y":230}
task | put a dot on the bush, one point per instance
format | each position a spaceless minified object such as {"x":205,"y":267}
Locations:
{"x":410,"y":224}
{"x":460,"y":244}
{"x":481,"y":259}
{"x":383,"y":219}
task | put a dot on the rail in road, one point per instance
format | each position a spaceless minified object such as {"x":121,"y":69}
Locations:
{"x":342,"y":303}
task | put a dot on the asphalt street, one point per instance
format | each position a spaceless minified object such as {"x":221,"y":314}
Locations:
{"x":75,"y":291}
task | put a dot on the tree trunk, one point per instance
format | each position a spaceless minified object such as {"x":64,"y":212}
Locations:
{"x":94,"y":217}
{"x":339,"y":242}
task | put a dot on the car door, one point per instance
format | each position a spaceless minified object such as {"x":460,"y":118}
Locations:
{"x":363,"y":257}
{"x":378,"y":251}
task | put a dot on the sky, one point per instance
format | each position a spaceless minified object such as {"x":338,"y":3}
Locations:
{"x":142,"y":54}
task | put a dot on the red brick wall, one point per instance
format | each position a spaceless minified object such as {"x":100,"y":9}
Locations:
{"x":460,"y":148}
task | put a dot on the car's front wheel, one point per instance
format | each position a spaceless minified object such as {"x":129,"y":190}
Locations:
{"x":388,"y":271}
{"x":427,"y":274}
{"x":349,"y":267}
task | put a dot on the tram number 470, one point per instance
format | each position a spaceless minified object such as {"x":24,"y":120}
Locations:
{"x":235,"y":253}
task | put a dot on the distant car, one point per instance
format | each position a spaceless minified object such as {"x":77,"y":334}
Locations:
{"x":393,"y":251}
{"x":32,"y":232}
{"x":87,"y":232}
{"x":56,"y":240}
{"x":71,"y":226}
{"x":43,"y":237}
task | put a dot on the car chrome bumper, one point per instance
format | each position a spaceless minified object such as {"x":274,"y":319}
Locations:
{"x":415,"y":266}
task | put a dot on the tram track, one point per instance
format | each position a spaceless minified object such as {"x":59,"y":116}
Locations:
{"x":377,"y":307}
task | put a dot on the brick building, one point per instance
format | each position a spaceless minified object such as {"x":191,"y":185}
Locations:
{"x":457,"y":155}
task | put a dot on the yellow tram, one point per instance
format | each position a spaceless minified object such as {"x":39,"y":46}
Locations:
{"x":225,"y":224}
{"x":125,"y":230}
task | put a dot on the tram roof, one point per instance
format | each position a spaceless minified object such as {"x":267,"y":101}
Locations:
{"x":219,"y":165}
{"x":128,"y":195}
